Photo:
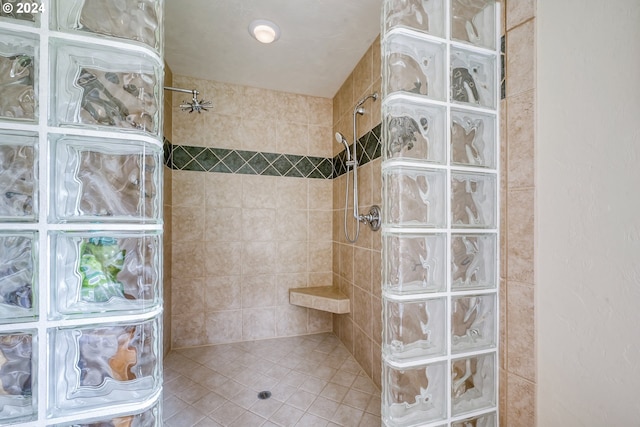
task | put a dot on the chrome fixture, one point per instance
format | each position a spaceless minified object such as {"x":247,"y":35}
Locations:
{"x":197,"y":105}
{"x":341,"y":139}
{"x":373,"y":217}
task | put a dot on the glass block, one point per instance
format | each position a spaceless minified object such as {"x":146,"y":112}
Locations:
{"x":473,"y":261}
{"x":427,"y":16}
{"x":137,"y":20}
{"x":105,"y":273}
{"x":473,"y":200}
{"x":414,"y":65}
{"x":106,"y":88}
{"x":473,"y":78}
{"x":102,"y":365}
{"x":414,"y":329}
{"x":152,"y":417}
{"x":18,"y":362}
{"x":474,"y":22}
{"x":21,"y":11}
{"x":414,"y":130}
{"x":473,"y":383}
{"x":18,"y":176}
{"x":19,"y":65}
{"x":415,"y":197}
{"x":473,"y":139}
{"x":414,"y":395}
{"x":105,"y":180}
{"x":18,"y":276}
{"x":486,"y":420}
{"x":414,"y":263}
{"x":473,"y":323}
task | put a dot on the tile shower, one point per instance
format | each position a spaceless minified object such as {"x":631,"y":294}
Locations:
{"x":360,"y":333}
{"x":368,"y":250}
{"x":363,"y":335}
{"x":261,"y":208}
{"x":517,"y":379}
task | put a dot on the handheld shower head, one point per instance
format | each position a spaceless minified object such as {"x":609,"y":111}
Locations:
{"x":342,"y":140}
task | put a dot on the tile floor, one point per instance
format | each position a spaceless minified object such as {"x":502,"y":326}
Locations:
{"x":314,"y":381}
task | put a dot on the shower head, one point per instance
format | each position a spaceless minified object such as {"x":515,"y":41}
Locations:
{"x":342,"y":140}
{"x":195,"y":104}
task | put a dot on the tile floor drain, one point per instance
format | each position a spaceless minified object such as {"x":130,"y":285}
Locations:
{"x":264,"y":395}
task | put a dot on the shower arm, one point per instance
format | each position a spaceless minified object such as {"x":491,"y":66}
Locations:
{"x":194,"y":93}
{"x":177,"y":89}
{"x":195,"y":104}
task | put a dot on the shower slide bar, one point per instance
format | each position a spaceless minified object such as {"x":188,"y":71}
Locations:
{"x":373,"y":218}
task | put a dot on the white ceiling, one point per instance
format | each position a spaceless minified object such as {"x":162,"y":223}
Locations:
{"x":321,"y":42}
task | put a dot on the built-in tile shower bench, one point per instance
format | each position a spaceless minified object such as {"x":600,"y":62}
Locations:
{"x":324,"y":298}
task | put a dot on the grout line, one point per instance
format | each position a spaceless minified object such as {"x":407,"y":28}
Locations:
{"x":520,"y":24}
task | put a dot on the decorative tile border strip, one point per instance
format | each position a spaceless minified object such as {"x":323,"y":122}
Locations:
{"x":369,"y":148}
{"x":222,"y":160}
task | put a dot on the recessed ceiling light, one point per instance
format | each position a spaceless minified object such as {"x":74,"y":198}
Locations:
{"x":264,"y":31}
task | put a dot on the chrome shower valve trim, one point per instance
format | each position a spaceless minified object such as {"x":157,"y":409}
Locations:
{"x":373,"y":218}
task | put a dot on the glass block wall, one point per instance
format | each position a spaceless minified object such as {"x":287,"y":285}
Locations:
{"x":440,"y":61}
{"x":81,"y":95}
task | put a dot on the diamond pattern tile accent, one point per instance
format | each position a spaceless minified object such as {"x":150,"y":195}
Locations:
{"x":271,"y":171}
{"x":180,"y":156}
{"x":362,"y":155}
{"x":305,"y":166}
{"x":315,"y":174}
{"x":223,"y":160}
{"x":258,"y":163}
{"x":207,"y":159}
{"x":233,"y":161}
{"x":193,"y":166}
{"x":221,"y":167}
{"x":246,"y":170}
{"x":166,"y":147}
{"x":246,"y":155}
{"x":282,"y":165}
{"x":326,"y":168}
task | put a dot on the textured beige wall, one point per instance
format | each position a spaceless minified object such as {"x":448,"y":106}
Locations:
{"x":588,"y":227}
{"x":517,"y":280}
{"x":357,"y":267}
{"x":166,"y":129}
{"x":241,"y":241}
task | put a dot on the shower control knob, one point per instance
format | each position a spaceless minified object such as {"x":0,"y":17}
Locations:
{"x":372,"y":218}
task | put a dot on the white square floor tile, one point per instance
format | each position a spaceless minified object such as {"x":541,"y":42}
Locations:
{"x":314,"y":382}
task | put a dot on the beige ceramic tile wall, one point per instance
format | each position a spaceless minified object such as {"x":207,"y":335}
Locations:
{"x":357,"y":267}
{"x":166,"y":129}
{"x":518,"y":363}
{"x":241,"y":241}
